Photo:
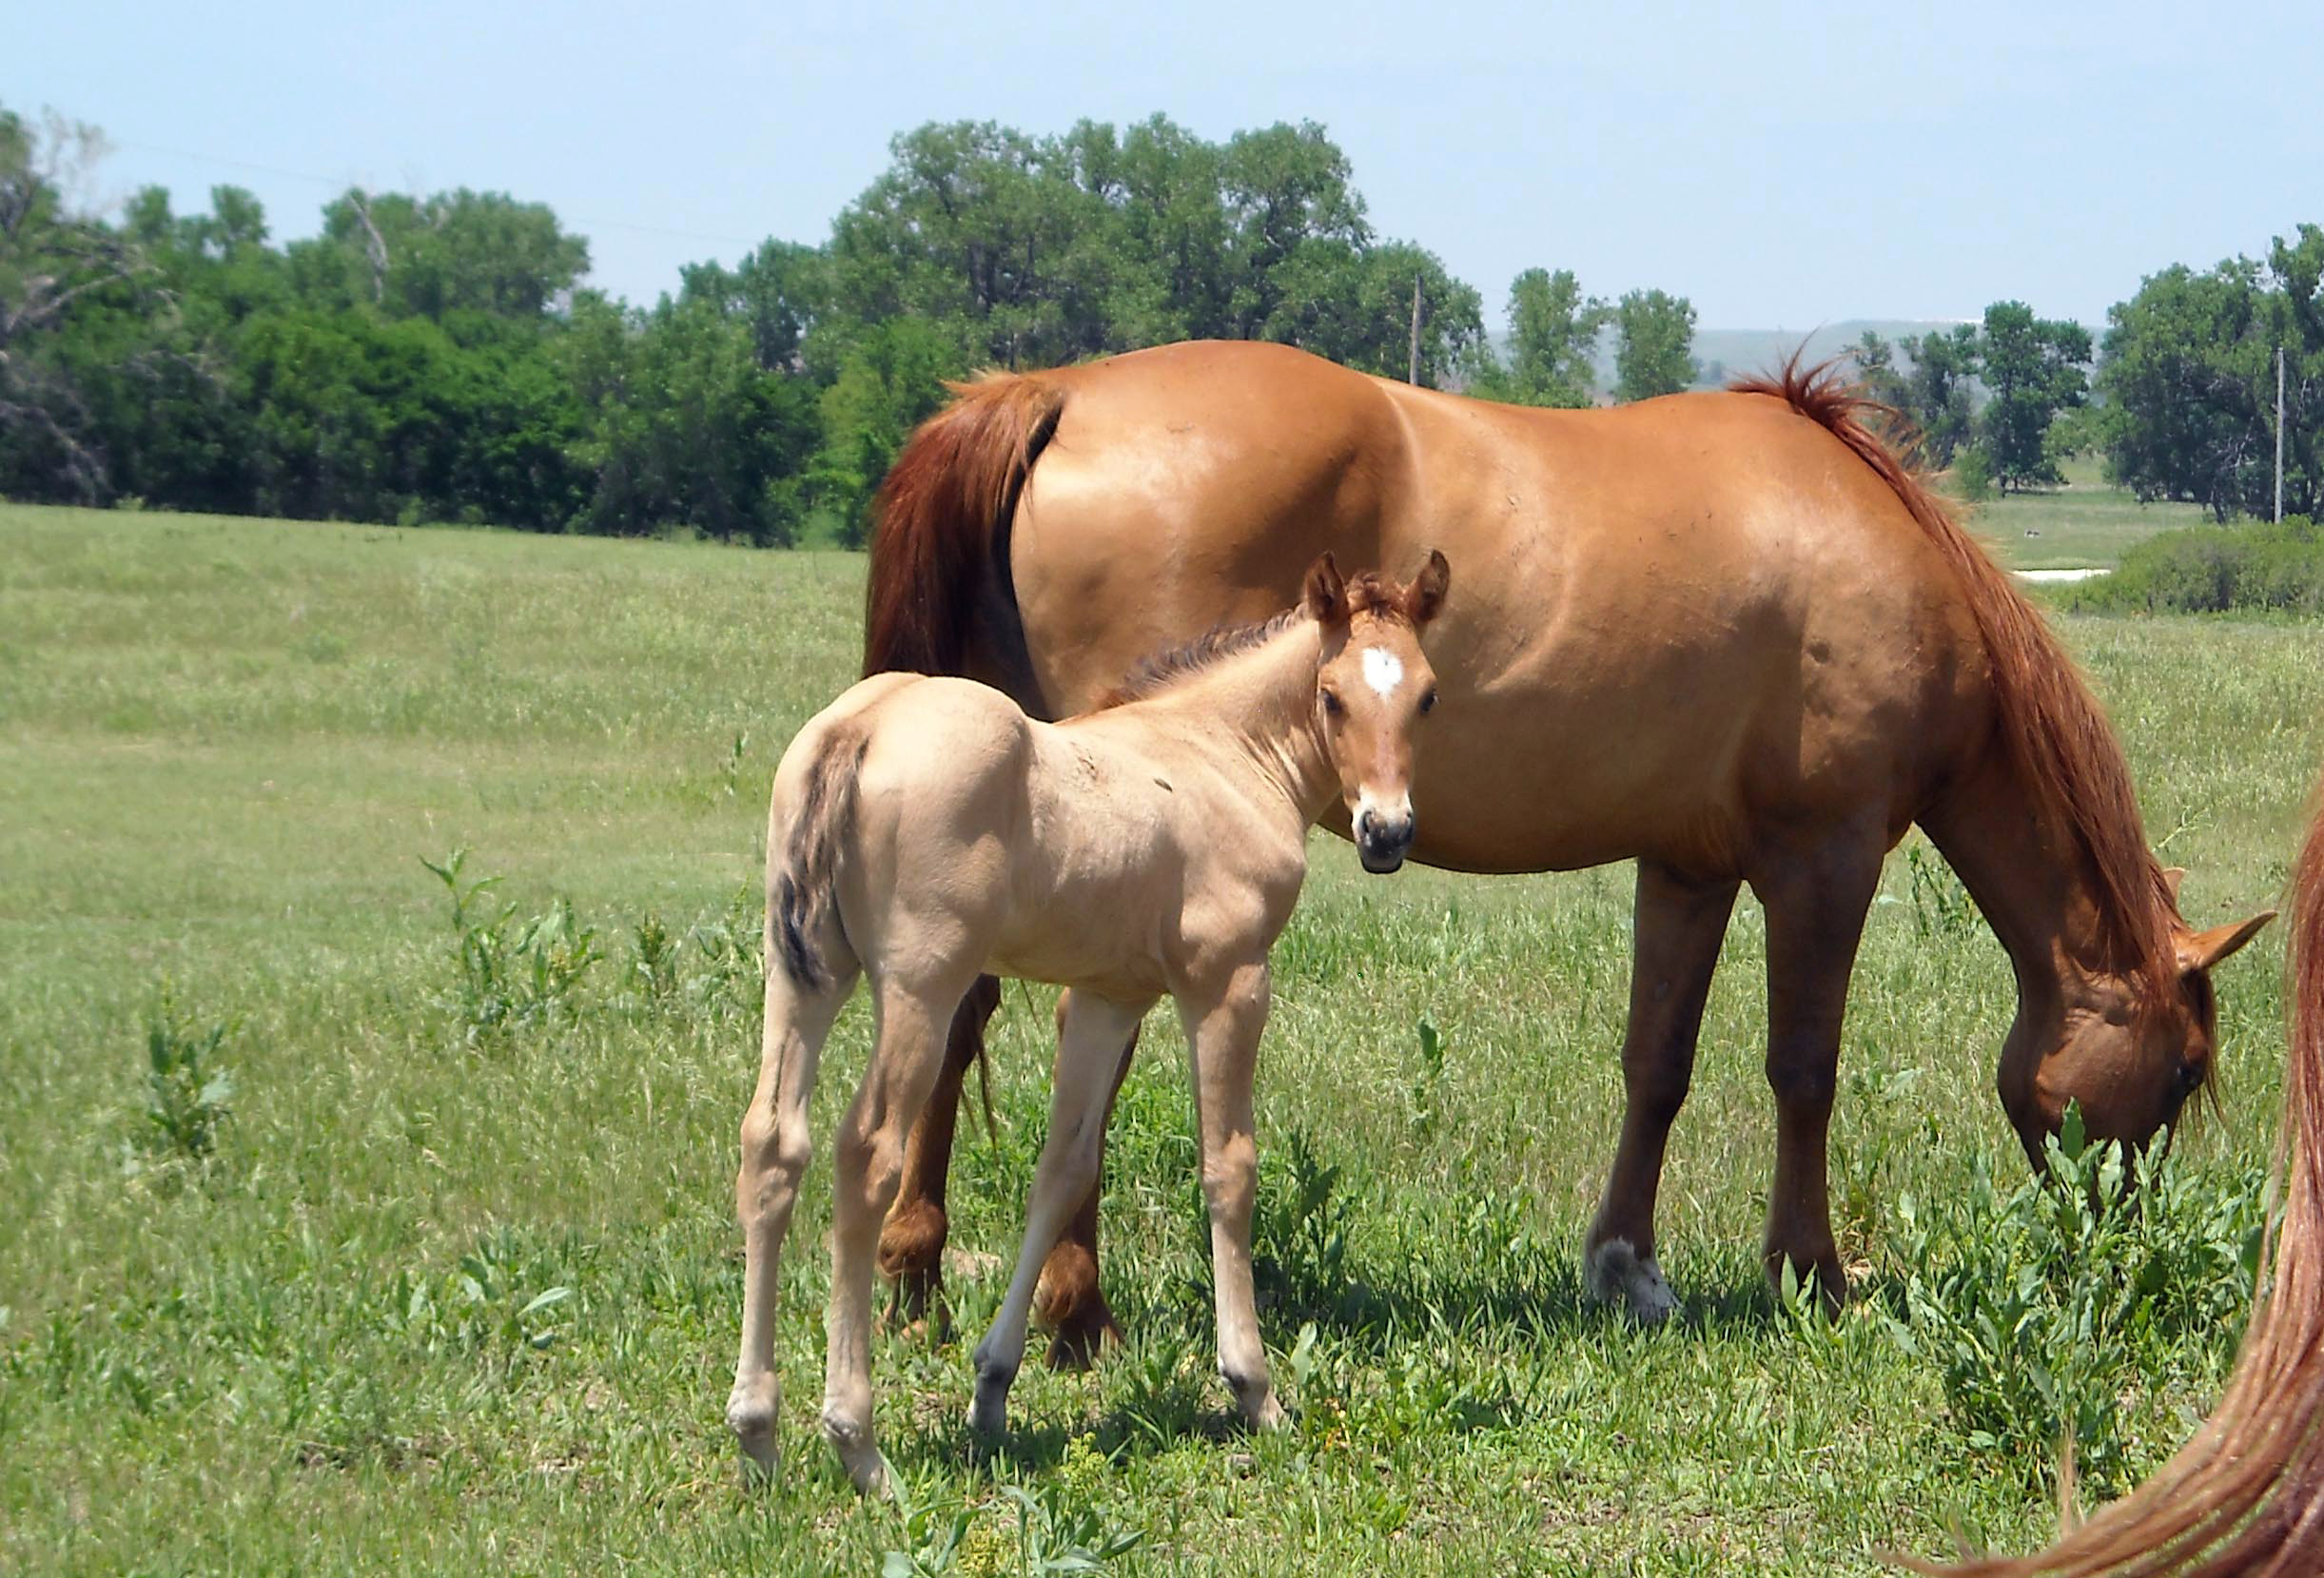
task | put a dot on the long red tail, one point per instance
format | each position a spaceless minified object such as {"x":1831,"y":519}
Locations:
{"x":2245,"y":1497}
{"x":940,"y":552}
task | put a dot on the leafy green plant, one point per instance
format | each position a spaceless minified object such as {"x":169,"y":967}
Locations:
{"x":2054,"y":1313}
{"x":1941,"y":906}
{"x":2271,"y":567}
{"x":1059,"y":1528}
{"x":1300,"y":1232}
{"x":186,"y":1092}
{"x":1430,"y":1079}
{"x":509,"y":974}
{"x":653,"y":959}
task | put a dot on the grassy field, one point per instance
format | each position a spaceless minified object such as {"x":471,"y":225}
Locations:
{"x":2084,"y":522}
{"x":336,"y":1341}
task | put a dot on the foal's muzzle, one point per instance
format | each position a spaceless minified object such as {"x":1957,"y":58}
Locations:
{"x":1382,"y":840}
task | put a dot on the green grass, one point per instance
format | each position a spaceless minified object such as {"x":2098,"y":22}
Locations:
{"x":2087,"y":522}
{"x":335,"y":1342}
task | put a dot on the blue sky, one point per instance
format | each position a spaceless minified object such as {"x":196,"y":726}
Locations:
{"x":1782,"y":165}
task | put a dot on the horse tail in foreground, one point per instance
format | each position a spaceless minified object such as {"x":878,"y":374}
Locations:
{"x":803,"y":898}
{"x":940,"y":552}
{"x":2245,"y":1497}
{"x":2050,"y":722}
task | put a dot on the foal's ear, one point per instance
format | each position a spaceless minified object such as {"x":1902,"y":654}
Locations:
{"x":1425,"y":596}
{"x":1325,"y":594}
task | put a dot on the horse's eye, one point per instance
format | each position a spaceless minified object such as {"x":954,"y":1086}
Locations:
{"x":2189,"y":1077}
{"x":1332,"y":703}
{"x":1428,"y":702}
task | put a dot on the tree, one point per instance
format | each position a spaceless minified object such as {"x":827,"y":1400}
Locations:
{"x":435,"y":257}
{"x":1936,"y":390}
{"x":1655,"y":332}
{"x":2032,"y":369}
{"x":1552,"y":329}
{"x":2189,"y":373}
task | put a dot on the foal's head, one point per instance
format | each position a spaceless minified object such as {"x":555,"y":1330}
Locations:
{"x":1373,"y":686}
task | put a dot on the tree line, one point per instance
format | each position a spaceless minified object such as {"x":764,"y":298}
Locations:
{"x":442,"y":357}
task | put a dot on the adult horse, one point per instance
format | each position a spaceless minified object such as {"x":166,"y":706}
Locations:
{"x":1727,"y":635}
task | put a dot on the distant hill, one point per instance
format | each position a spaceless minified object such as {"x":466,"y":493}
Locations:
{"x":1724,"y":353}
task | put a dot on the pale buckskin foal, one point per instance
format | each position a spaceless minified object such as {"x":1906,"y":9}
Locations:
{"x":924,"y":831}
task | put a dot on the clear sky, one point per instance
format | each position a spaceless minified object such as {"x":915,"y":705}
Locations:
{"x":1782,"y":166}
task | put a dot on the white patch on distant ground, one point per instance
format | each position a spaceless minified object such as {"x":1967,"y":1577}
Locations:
{"x":1383,"y":671}
{"x":2083,"y":574}
{"x":1616,"y":1270}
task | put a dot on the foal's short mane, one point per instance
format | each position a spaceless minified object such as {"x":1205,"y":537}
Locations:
{"x":2055,"y":731}
{"x":1368,"y":592}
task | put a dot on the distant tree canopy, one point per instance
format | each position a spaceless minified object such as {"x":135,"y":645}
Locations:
{"x":442,"y":358}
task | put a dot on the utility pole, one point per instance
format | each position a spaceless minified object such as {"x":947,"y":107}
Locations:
{"x":2280,"y":434}
{"x":1413,"y":376}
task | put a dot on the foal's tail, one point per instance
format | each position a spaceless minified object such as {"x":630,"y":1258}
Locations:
{"x":939,"y":553}
{"x":2246,"y":1496}
{"x":802,"y":896}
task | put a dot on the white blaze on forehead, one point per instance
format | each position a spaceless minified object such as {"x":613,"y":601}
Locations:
{"x":1383,"y":670}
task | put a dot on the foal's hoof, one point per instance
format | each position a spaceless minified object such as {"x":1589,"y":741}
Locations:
{"x":989,"y":1409}
{"x":751,"y":1420}
{"x":1617,"y":1271}
{"x":858,"y":1454}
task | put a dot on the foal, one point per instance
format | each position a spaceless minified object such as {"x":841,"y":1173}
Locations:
{"x":926,"y":830}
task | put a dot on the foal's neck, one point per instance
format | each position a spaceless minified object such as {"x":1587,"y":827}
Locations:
{"x":1255,"y":713}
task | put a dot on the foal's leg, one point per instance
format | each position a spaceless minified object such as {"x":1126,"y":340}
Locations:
{"x":1816,"y":897}
{"x":911,"y":1240}
{"x":867,"y":1160}
{"x":1222,"y":1043}
{"x":1068,"y":1302}
{"x":775,"y":1146}
{"x":1090,"y":1033}
{"x":1678,"y":927}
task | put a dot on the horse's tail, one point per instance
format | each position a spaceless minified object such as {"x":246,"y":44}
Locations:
{"x":940,"y":552}
{"x":2051,"y":724}
{"x":803,"y":895}
{"x":2245,"y":1496}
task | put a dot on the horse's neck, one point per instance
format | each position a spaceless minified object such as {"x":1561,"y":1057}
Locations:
{"x":1253,"y":717}
{"x":2034,"y":882}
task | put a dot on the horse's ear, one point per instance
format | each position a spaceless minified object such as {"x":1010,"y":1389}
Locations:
{"x":1425,"y":596}
{"x":2172,"y":877}
{"x":1325,"y":594}
{"x":2202,"y":950}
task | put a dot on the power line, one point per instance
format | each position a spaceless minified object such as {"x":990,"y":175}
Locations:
{"x":341,"y":185}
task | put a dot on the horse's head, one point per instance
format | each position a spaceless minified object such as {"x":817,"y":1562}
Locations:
{"x":1373,"y":686}
{"x":2128,"y":1058}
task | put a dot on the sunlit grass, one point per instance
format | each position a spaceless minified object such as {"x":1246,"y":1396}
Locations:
{"x":225,"y":747}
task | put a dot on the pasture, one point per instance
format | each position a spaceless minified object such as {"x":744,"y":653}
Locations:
{"x":442,"y":1274}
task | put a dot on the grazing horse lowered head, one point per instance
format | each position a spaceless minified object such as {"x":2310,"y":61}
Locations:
{"x":923,"y":830}
{"x":1726,"y":635}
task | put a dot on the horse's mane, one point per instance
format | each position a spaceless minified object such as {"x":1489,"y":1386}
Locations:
{"x":2052,"y":724}
{"x":2245,"y":1496}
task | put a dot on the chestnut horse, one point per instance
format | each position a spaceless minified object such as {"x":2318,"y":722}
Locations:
{"x":2245,"y":1497}
{"x":922,"y":830}
{"x":1727,"y":635}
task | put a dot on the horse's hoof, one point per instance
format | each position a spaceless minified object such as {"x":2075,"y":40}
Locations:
{"x":1084,"y":1333}
{"x":751,"y":1415}
{"x":1619,"y":1271}
{"x":989,"y":1411}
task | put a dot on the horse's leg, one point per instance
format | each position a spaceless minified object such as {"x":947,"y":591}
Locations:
{"x":912,"y":1238}
{"x":1816,"y":897}
{"x":867,"y":1162}
{"x":1678,"y":927}
{"x":1090,"y":1033}
{"x":776,"y":1147}
{"x":1222,"y":1043}
{"x":1068,"y":1302}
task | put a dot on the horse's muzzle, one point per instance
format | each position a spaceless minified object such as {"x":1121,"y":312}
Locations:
{"x":1380,"y":842}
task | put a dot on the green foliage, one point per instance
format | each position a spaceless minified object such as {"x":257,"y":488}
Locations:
{"x":1552,"y":330}
{"x":2190,"y":365}
{"x":1941,"y":906}
{"x":1972,"y":472}
{"x":508,"y":977}
{"x":2265,"y":567}
{"x":1653,"y":332}
{"x":2054,"y":1313}
{"x":2032,"y":369}
{"x":1927,"y":380}
{"x":187,"y":1094}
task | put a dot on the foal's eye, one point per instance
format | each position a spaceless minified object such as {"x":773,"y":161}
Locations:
{"x":1428,"y":702}
{"x":1332,"y":703}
